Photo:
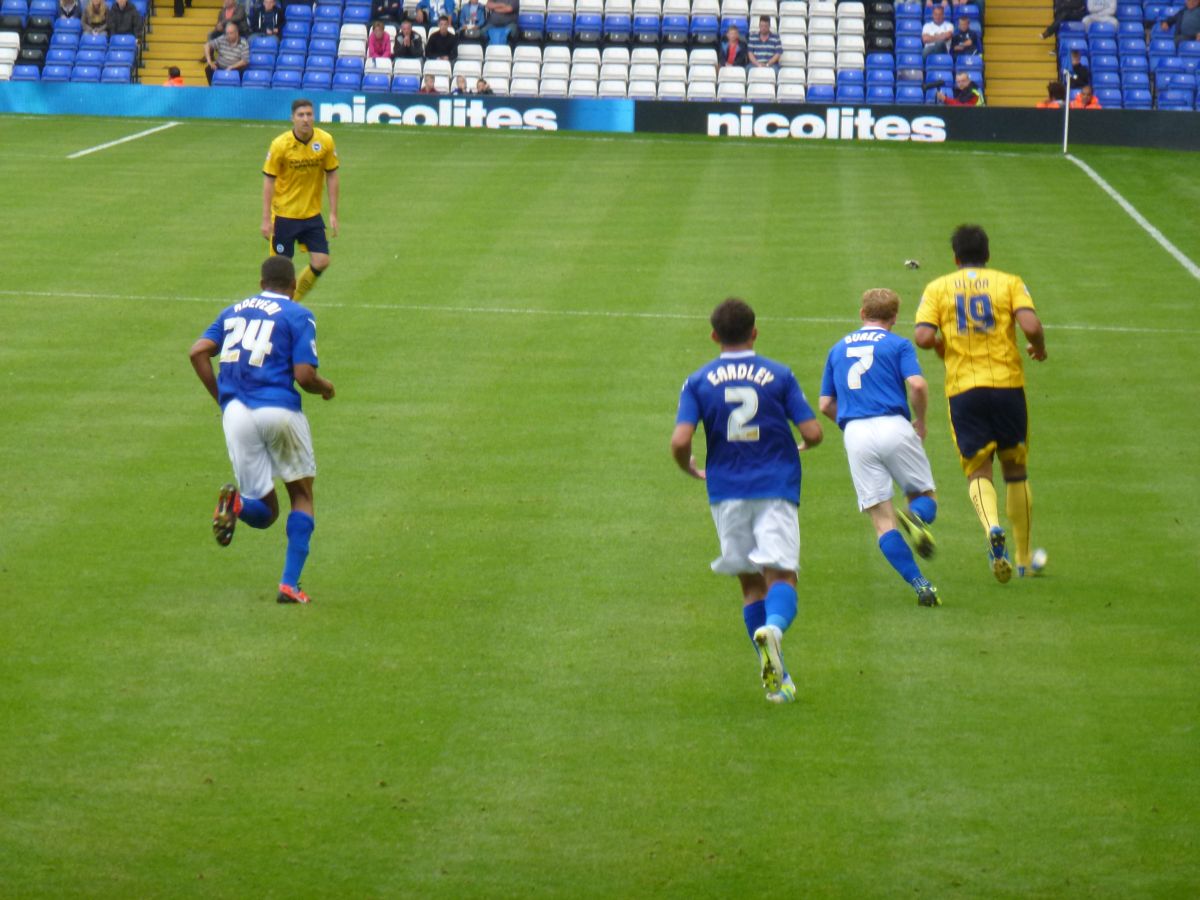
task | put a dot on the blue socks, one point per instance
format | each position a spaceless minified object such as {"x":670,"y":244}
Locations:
{"x":925,"y":507}
{"x":755,"y":615}
{"x":299,"y":529}
{"x":255,"y":513}
{"x":780,"y":605}
{"x":896,"y":551}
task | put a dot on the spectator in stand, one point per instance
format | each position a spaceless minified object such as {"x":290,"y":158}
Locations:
{"x":764,"y":49}
{"x":1103,"y":11}
{"x":427,"y":86}
{"x":937,"y":33}
{"x":123,"y":18}
{"x":229,"y":52}
{"x":1085,"y":99}
{"x":1080,"y":74}
{"x":442,"y":44}
{"x":388,"y":10}
{"x":471,"y":16}
{"x":429,"y":11}
{"x":929,"y":4}
{"x":230,"y":12}
{"x":267,"y":19}
{"x":966,"y":92}
{"x":1064,"y":11}
{"x":1055,"y":95}
{"x":460,"y":86}
{"x":408,"y":45}
{"x":501,"y":23}
{"x":174,"y":78}
{"x":733,"y":49}
{"x":68,"y":9}
{"x":966,"y":40}
{"x":379,"y":42}
{"x":95,"y":17}
{"x":482,"y":87}
{"x":1186,"y":22}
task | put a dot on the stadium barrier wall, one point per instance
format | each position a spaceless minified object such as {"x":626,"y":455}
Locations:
{"x":914,"y":124}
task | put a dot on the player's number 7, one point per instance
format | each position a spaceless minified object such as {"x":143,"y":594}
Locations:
{"x":866,"y":357}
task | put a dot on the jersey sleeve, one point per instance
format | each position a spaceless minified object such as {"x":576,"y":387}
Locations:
{"x":331,"y":158}
{"x":828,"y":388}
{"x":909,"y":366}
{"x":216,"y":331}
{"x":795,"y":402}
{"x":1021,"y":298}
{"x":689,"y":406}
{"x":304,"y":348}
{"x":274,"y":161}
{"x":927,"y":311}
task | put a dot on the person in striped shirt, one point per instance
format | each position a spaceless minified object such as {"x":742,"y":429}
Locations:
{"x":765,"y":47}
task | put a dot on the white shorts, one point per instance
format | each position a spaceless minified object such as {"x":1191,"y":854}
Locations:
{"x":882,"y":450}
{"x":265,"y":444}
{"x":756,"y":534}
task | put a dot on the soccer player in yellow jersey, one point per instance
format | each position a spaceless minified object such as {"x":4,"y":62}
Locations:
{"x":969,"y":318}
{"x":300,"y":163}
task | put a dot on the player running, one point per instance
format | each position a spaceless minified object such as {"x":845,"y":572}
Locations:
{"x":265,"y":342}
{"x":863,"y":390}
{"x":747,"y":403}
{"x":968,"y":318}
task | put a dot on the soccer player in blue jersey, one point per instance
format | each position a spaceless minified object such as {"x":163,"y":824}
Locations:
{"x":748,"y":403}
{"x":264,"y":344}
{"x":863,"y":390}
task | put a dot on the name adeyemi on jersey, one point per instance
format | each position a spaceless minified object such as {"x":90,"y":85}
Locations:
{"x":270,"y":307}
{"x":739,"y":372}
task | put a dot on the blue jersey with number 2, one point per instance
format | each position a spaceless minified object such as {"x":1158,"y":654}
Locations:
{"x":261,"y":339}
{"x":866,"y":372}
{"x":747,"y":403}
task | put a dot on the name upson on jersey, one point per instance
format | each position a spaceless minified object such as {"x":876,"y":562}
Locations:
{"x":859,"y":336}
{"x":740,"y":372}
{"x":270,"y":307}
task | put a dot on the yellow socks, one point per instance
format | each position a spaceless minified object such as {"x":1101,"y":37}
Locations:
{"x":983,"y":498}
{"x":1019,"y":506}
{"x":305,"y":282}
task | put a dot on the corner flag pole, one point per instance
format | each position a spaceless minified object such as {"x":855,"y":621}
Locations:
{"x":1066,"y":73}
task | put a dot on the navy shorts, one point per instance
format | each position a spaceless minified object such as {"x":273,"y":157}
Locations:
{"x":309,"y":232}
{"x":989,"y":419}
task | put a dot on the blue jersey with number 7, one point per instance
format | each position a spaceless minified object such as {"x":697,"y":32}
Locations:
{"x":748,"y":404}
{"x":866,"y":372}
{"x":260,"y":340}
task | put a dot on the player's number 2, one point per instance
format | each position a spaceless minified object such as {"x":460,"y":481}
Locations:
{"x":866,"y":358}
{"x":738,"y":427}
{"x":254,"y":337}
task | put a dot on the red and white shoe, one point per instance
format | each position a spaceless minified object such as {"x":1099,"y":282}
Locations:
{"x":289,"y":594}
{"x":225,"y":516}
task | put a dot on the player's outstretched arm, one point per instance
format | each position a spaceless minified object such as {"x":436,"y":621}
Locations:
{"x":268,"y":197}
{"x":681,"y":450}
{"x":810,"y":430}
{"x":201,"y":356}
{"x":311,"y":382}
{"x":918,"y":396}
{"x":1032,"y":326}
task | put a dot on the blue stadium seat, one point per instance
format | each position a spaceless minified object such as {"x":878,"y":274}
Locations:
{"x":357,"y":14}
{"x":264,"y":61}
{"x":93,"y":42}
{"x":262,"y":43}
{"x":1129,"y":12}
{"x":742,"y":23}
{"x":227,"y":78}
{"x":908,"y":11}
{"x":1158,"y":46}
{"x":970,"y":10}
{"x":43,"y":8}
{"x":327,"y":12}
{"x":1135,"y":80}
{"x":85,"y":73}
{"x":323,"y":46}
{"x":289,"y":62}
{"x":17,"y":8}
{"x":1105,"y":64}
{"x":944,"y":75}
{"x":705,"y":29}
{"x":302,"y":12}
{"x":347,"y":81}
{"x":1071,"y":29}
{"x":63,"y":24}
{"x":1137,"y":99}
{"x":850,"y":77}
{"x":91,"y":57}
{"x":646,"y":29}
{"x":286,"y":78}
{"x":64,"y":40}
{"x":1131,"y":29}
{"x":559,"y":27}
{"x":256,"y":78}
{"x":1101,"y":30}
{"x":350,"y":64}
{"x":877,"y":77}
{"x":328,"y":30}
{"x":376,"y":83}
{"x":294,"y":45}
{"x":56,"y":72}
{"x":618,"y":27}
{"x":1110,"y":98}
{"x":1106,"y":80}
{"x":296,"y":29}
{"x":1102,"y":45}
{"x":25,"y":72}
{"x":589,"y":28}
{"x":970,"y":64}
{"x":531,"y":26}
{"x":910,"y":61}
{"x":675,"y":29}
{"x":939,"y":61}
{"x":123,"y":41}
{"x":907,"y":27}
{"x":1132,"y":63}
{"x":1189,"y":50}
{"x":908,"y":43}
{"x":820,"y":93}
{"x":317,"y":81}
{"x":318,"y":63}
{"x":880,"y":93}
{"x":406,"y":84}
{"x":1171,"y":99}
{"x":847,"y":94}
{"x":119,"y":57}
{"x":115,"y":75}
{"x":879,"y":61}
{"x":60,"y":56}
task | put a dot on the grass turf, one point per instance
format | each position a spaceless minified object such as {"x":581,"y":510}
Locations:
{"x":518,"y":677}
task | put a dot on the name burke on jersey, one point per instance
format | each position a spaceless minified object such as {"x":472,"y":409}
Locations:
{"x":740,"y":372}
{"x":859,"y":336}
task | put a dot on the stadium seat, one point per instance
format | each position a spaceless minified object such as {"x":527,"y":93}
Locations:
{"x":286,"y":62}
{"x":85,"y":74}
{"x":116,"y":75}
{"x":63,"y":24}
{"x":64,"y":40}
{"x":672,"y":90}
{"x":63,"y":56}
{"x":119,"y":57}
{"x":318,"y":63}
{"x":531,"y":27}
{"x":559,"y":27}
{"x":909,"y":95}
{"x":320,"y":80}
{"x":618,"y":28}
{"x":406,"y":84}
{"x":1110,"y":98}
{"x":880,"y":93}
{"x":1137,"y":99}
{"x":356,"y":64}
{"x":25,"y":73}
{"x":347,"y":81}
{"x":643,"y":90}
{"x":91,"y":57}
{"x":646,"y":29}
{"x":256,"y":78}
{"x":376,"y":83}
{"x":821,"y":93}
{"x":123,"y":41}
{"x":289,"y":79}
{"x":227,"y":78}
{"x":56,"y":72}
{"x":296,"y":29}
{"x":327,"y":30}
{"x":356,"y":14}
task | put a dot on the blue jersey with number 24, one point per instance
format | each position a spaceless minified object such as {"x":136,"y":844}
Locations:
{"x":866,"y":371}
{"x":261,"y":339}
{"x":747,"y":403}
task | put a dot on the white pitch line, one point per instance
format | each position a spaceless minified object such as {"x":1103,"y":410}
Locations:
{"x":1193,"y":269}
{"x":132,"y":137}
{"x":530,"y":311}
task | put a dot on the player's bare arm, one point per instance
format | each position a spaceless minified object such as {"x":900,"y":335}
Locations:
{"x":1032,"y":326}
{"x":333,"y":183}
{"x":918,"y":396}
{"x":268,"y":197}
{"x":810,"y":430}
{"x":201,"y":356}
{"x":681,"y":450}
{"x":828,"y":407}
{"x":927,"y":338}
{"x":311,"y":382}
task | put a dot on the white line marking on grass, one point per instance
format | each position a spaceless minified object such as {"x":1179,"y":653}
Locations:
{"x":132,"y":137}
{"x":1193,"y":269}
{"x":530,"y":311}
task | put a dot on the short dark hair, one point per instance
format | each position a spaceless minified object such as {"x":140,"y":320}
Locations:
{"x":1057,"y":90}
{"x":299,"y":102}
{"x":733,"y":321}
{"x":970,"y":245}
{"x":278,"y":272}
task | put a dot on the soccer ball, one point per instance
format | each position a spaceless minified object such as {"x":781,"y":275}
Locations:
{"x":1037,"y":562}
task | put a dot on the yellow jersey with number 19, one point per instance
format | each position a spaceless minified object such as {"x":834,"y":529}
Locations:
{"x":299,"y":168}
{"x":974,"y":308}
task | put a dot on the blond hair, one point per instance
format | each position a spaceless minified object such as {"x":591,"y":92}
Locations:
{"x":880,"y":304}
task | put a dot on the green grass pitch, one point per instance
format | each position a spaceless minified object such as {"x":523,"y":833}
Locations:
{"x":518,"y":677}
